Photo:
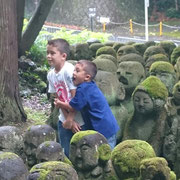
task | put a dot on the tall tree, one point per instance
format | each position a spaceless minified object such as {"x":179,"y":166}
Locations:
{"x":11,"y":23}
{"x":10,"y":106}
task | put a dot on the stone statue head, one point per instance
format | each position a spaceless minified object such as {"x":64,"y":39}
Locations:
{"x":130,"y":74}
{"x":177,"y":68}
{"x":110,"y":86}
{"x":165,"y":72}
{"x":50,"y":151}
{"x":11,"y":140}
{"x":150,"y":95}
{"x":12,"y":167}
{"x":33,"y":137}
{"x":87,"y":149}
{"x":127,"y":156}
{"x":154,"y":168}
{"x":176,"y":93}
{"x":52,"y":170}
{"x":90,"y":154}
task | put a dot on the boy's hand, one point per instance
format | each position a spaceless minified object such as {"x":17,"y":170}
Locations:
{"x":67,"y":124}
{"x":56,"y":102}
{"x":75,"y":127}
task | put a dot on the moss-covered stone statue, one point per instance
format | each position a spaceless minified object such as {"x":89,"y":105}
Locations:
{"x":90,"y":155}
{"x":94,"y":47}
{"x":175,"y":55}
{"x":165,"y":72}
{"x":106,"y":50}
{"x":177,"y":68}
{"x":130,"y":74}
{"x":154,"y":58}
{"x":114,"y":92}
{"x":12,"y":167}
{"x":52,"y":170}
{"x":127,"y":156}
{"x":51,"y":151}
{"x":148,"y":120}
{"x":154,"y":168}
{"x":171,"y":148}
{"x":140,"y":47}
{"x":153,"y":50}
{"x":126,"y":49}
{"x":33,"y":137}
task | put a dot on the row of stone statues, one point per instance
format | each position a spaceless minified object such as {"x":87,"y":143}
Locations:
{"x":90,"y":157}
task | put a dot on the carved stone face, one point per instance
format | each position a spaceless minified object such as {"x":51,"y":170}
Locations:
{"x":167,"y":78}
{"x":84,"y":154}
{"x":142,"y":102}
{"x":130,"y":74}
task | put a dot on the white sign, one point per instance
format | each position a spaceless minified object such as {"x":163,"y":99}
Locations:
{"x":104,"y":20}
{"x":147,"y":3}
{"x":92,"y":12}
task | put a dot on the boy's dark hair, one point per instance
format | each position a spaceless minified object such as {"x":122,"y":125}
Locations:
{"x":61,"y":44}
{"x":89,"y":67}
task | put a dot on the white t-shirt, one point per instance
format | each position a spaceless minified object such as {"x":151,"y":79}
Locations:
{"x":61,"y":83}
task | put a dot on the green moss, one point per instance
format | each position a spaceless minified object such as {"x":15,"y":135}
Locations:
{"x":117,"y":45}
{"x":8,"y":155}
{"x":172,"y":175}
{"x":162,"y":66}
{"x":175,"y":54}
{"x":140,"y":47}
{"x":109,"y":57}
{"x":154,"y":87}
{"x":106,"y":50}
{"x":158,"y":57}
{"x":176,"y":86}
{"x":127,"y":155}
{"x":168,"y":46}
{"x":153,"y":50}
{"x":79,"y":135}
{"x":104,"y":152}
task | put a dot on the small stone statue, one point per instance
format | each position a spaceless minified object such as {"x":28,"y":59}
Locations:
{"x":33,"y":137}
{"x":148,"y":120}
{"x":90,"y":155}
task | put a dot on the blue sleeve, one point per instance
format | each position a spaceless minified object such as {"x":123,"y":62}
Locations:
{"x":79,"y":101}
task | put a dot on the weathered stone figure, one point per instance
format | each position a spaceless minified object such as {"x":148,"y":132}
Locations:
{"x":52,"y":170}
{"x":165,"y":72}
{"x":130,"y":74}
{"x":114,"y":92}
{"x":127,"y":156}
{"x":90,"y":155}
{"x":51,"y":151}
{"x":12,"y":167}
{"x":11,"y":140}
{"x":171,"y":148}
{"x":33,"y":137}
{"x":149,"y":117}
{"x":154,"y":168}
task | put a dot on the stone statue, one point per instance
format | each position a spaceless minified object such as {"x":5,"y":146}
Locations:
{"x":148,"y":120}
{"x":130,"y":74}
{"x":114,"y":92}
{"x":12,"y":167}
{"x":33,"y":137}
{"x":154,"y":168}
{"x":127,"y":156}
{"x":90,"y":155}
{"x":165,"y":72}
{"x":11,"y":140}
{"x":171,"y":148}
{"x":51,"y":151}
{"x":52,"y":170}
{"x":177,"y":68}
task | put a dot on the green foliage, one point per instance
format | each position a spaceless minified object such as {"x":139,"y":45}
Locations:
{"x":172,"y":13}
{"x":37,"y":53}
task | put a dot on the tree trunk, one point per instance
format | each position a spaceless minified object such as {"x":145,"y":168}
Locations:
{"x":11,"y":110}
{"x":35,"y":25}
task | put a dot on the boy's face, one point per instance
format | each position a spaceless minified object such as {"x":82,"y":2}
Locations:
{"x":55,"y":58}
{"x":79,"y":75}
